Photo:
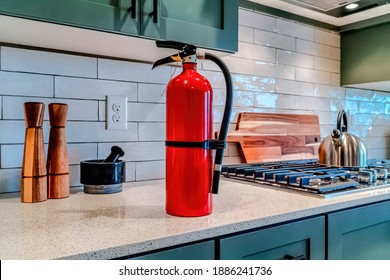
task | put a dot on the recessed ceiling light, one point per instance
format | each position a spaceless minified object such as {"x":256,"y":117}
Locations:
{"x":352,"y":6}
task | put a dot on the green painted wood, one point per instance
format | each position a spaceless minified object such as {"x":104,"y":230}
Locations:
{"x":360,"y":234}
{"x":199,"y":251}
{"x":302,"y":238}
{"x":107,"y":15}
{"x":205,"y":23}
{"x":365,"y":55}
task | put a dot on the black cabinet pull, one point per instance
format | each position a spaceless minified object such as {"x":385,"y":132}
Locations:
{"x":289,"y":257}
{"x":132,"y":10}
{"x":154,"y":13}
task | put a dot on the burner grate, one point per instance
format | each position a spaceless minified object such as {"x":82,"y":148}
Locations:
{"x":310,"y":177}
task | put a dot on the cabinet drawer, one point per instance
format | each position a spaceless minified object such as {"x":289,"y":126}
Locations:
{"x":360,"y":234}
{"x":302,"y":240}
{"x":199,"y":251}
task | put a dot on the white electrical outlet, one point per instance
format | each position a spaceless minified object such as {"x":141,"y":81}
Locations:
{"x":116,"y":112}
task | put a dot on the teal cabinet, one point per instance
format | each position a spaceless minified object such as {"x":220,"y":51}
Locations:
{"x":297,"y":240}
{"x":108,"y":15}
{"x":360,"y":234}
{"x":199,"y":251}
{"x":206,"y":23}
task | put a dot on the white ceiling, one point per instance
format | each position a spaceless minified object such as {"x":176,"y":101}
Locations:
{"x":284,"y":6}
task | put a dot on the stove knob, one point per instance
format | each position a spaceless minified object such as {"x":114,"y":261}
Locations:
{"x":382,"y":174}
{"x":365,"y":176}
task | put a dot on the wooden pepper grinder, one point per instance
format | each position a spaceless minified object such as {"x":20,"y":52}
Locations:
{"x":57,"y":158}
{"x":34,"y":179}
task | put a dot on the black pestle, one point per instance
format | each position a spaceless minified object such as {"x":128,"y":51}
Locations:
{"x":116,"y":152}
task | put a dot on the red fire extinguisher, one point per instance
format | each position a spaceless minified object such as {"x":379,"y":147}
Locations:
{"x":192,"y":176}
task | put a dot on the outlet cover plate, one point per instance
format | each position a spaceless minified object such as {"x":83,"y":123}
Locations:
{"x":116,"y":112}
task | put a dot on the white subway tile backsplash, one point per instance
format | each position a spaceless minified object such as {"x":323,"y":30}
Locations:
{"x":151,"y":131}
{"x":325,"y":64}
{"x":15,"y":59}
{"x":335,"y":53}
{"x":329,"y":91}
{"x":32,"y":85}
{"x":334,"y":79}
{"x":243,"y":99}
{"x":239,"y":65}
{"x":149,"y":170}
{"x":254,"y":83}
{"x":145,"y":112}
{"x":132,"y":71}
{"x":312,"y":76}
{"x":265,"y":100}
{"x":294,"y":87}
{"x":78,"y":132}
{"x":327,"y":38}
{"x":10,"y":180}
{"x":358,"y":94}
{"x":151,"y":93}
{"x":255,"y":52}
{"x":294,"y":29}
{"x":74,"y":175}
{"x":380,"y":96}
{"x":136,"y":151}
{"x":312,"y":48}
{"x":274,"y":40}
{"x":11,"y":156}
{"x":12,"y":131}
{"x":216,"y":79}
{"x":294,"y":59}
{"x":314,"y":103}
{"x":82,"y":151}
{"x":256,"y":20}
{"x":272,"y":70}
{"x":66,"y":87}
{"x":245,"y":34}
{"x":86,"y":110}
{"x":372,"y":107}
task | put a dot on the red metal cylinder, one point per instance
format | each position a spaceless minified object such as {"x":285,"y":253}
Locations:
{"x":189,"y":169}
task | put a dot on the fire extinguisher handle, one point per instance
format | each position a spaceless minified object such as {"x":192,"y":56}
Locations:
{"x":225,"y":119}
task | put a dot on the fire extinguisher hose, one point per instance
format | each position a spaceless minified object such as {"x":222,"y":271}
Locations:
{"x":225,"y":119}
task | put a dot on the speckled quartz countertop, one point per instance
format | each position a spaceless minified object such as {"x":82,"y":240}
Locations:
{"x":86,"y":226}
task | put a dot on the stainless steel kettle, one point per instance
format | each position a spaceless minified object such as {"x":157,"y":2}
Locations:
{"x":342,"y":148}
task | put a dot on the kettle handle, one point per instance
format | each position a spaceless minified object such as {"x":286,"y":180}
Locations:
{"x":342,"y":119}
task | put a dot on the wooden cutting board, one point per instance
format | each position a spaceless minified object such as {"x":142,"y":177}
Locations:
{"x":270,"y":137}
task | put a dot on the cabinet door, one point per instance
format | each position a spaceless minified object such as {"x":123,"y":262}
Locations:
{"x":108,"y":15}
{"x":199,"y":251}
{"x":204,"y":23}
{"x":298,"y":240}
{"x":360,"y":234}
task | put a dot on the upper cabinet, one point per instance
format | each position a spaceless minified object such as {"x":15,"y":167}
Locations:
{"x":109,"y":15}
{"x":365,"y":57}
{"x":206,"y":23}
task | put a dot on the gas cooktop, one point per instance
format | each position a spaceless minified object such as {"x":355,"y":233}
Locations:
{"x":309,"y":177}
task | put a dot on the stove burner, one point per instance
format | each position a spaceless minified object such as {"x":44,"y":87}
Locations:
{"x":310,"y":177}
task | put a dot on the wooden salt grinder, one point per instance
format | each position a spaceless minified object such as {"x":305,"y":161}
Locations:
{"x":57,"y":158}
{"x":34,"y":179}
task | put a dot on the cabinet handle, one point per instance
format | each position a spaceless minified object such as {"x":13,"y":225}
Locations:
{"x":154,"y":12}
{"x":132,"y":10}
{"x":289,"y":257}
